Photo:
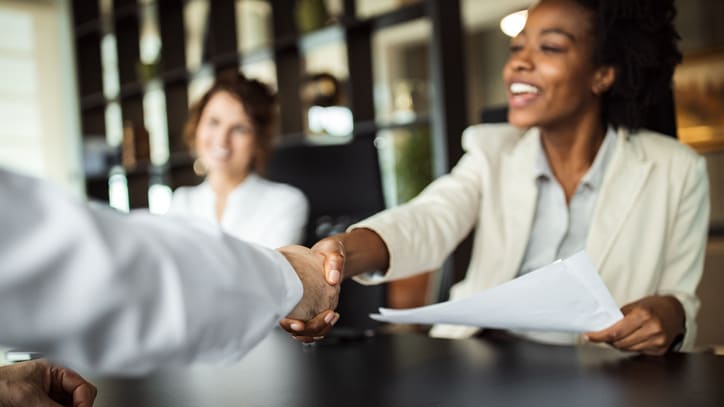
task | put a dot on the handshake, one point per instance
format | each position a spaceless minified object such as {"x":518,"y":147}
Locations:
{"x":320,"y":271}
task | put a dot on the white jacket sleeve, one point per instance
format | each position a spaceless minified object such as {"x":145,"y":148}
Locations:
{"x":684,"y":257}
{"x":112,"y":293}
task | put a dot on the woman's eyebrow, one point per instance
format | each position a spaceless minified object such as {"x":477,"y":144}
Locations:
{"x":559,"y":31}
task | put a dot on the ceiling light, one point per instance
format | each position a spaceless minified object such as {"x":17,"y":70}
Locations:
{"x":513,"y":23}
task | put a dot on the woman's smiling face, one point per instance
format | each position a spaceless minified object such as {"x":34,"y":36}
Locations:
{"x":550,"y":77}
{"x":225,"y":139}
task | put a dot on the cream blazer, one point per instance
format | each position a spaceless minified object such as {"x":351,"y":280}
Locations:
{"x":647,"y":235}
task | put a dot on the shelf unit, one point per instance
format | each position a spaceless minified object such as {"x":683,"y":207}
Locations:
{"x":287,"y":50}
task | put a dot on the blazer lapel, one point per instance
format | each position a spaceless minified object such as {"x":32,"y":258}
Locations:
{"x":519,"y":194}
{"x":621,"y":186}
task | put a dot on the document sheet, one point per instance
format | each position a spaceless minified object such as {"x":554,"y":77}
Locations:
{"x":567,"y":295}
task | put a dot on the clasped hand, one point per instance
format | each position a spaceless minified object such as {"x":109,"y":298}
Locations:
{"x":320,"y":268}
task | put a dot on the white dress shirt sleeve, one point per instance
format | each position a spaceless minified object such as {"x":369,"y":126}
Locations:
{"x":112,"y":293}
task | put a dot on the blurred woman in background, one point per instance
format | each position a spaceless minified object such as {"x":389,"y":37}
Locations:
{"x":231,"y":130}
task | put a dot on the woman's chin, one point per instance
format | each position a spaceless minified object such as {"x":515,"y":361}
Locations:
{"x":521,"y":122}
{"x":216,"y":165}
{"x":229,"y":174}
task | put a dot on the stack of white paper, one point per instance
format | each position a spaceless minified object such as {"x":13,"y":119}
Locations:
{"x":565,"y":296}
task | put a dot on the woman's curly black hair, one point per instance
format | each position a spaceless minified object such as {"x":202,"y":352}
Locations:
{"x":638,"y":38}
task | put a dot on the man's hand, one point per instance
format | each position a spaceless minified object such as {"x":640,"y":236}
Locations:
{"x":331,"y":251}
{"x":649,"y":326}
{"x":318,"y":295}
{"x":39,"y":383}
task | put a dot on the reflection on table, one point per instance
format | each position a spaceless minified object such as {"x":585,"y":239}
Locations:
{"x":415,"y":370}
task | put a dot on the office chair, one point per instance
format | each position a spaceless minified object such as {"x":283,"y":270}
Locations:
{"x":343,"y":185}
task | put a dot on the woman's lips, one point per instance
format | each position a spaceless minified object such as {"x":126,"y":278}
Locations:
{"x":522,"y":99}
{"x":219,"y":153}
{"x":521,"y":94}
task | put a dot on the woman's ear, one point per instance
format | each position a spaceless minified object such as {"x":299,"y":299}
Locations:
{"x":199,"y":168}
{"x":603,"y":79}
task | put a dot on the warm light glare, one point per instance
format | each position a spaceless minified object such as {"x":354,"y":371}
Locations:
{"x":332,"y":120}
{"x":513,"y":23}
{"x":159,"y":198}
{"x":118,"y":190}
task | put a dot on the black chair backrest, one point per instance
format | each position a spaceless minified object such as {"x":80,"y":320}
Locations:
{"x":342,"y":182}
{"x":343,"y":185}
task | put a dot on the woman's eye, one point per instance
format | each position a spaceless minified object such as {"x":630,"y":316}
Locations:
{"x":551,"y":49}
{"x":241,"y":130}
{"x":515,"y":48}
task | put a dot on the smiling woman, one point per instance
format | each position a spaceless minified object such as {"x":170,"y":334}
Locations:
{"x":575,"y":171}
{"x":550,"y":76}
{"x":231,"y":130}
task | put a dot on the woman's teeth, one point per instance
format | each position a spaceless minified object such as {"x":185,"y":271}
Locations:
{"x":517,"y":88}
{"x":220,"y":152}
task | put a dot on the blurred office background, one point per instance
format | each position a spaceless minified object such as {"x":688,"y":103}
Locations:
{"x":373,"y":97}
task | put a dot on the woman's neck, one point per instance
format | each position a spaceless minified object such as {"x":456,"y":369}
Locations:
{"x":222,"y":184}
{"x":571,"y":150}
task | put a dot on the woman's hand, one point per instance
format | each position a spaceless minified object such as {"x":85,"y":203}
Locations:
{"x":649,"y":326}
{"x":332,"y":250}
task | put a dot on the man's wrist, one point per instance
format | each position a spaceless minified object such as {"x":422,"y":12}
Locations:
{"x":294,"y":288}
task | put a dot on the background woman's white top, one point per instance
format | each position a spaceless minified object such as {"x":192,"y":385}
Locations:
{"x":257,"y":210}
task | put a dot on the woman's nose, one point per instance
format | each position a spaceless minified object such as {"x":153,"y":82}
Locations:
{"x":521,"y":61}
{"x":221,"y":136}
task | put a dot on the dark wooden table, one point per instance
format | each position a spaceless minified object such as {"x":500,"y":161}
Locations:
{"x":415,"y":370}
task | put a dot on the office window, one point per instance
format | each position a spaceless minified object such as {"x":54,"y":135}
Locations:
{"x":19,"y":107}
{"x":39,"y":135}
